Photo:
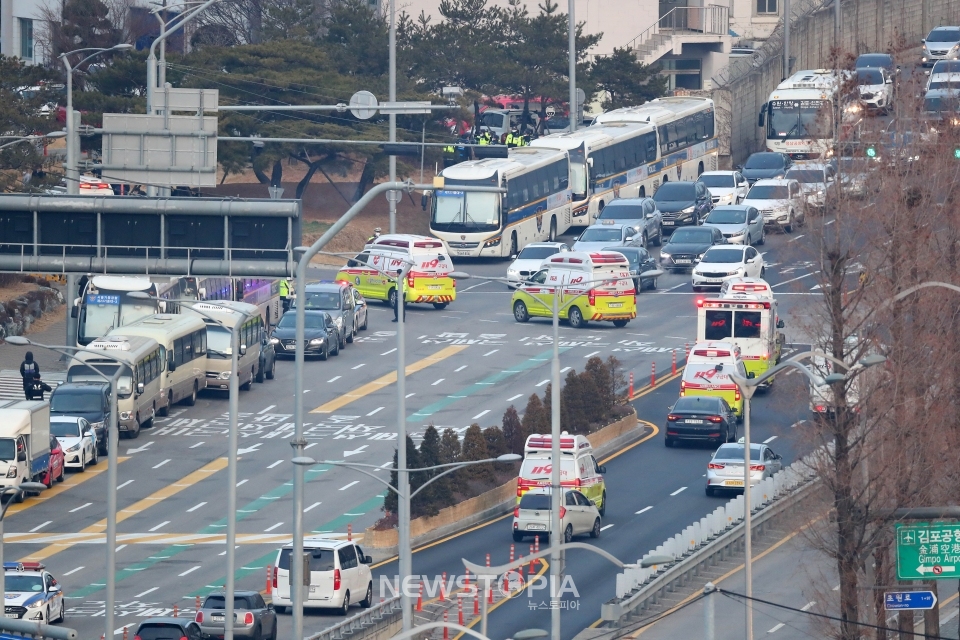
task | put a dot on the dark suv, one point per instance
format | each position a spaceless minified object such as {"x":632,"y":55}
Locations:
{"x":683,"y":204}
{"x":765,"y":165}
{"x":336,"y":298}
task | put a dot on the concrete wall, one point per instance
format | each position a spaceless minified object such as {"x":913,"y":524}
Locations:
{"x":866,"y":25}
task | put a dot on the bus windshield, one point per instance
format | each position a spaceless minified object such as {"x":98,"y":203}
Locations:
{"x":578,"y":180}
{"x":797,"y":119}
{"x":88,"y":373}
{"x":218,"y":342}
{"x":459,"y":211}
{"x":102,"y":312}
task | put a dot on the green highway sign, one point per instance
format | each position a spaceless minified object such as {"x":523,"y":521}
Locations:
{"x":928,"y":551}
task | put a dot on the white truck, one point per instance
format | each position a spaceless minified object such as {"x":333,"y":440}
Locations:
{"x":24,"y":443}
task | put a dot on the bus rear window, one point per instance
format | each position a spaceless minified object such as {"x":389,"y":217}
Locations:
{"x":717,"y":325}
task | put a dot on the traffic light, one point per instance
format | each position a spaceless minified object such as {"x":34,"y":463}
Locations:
{"x":871,"y":151}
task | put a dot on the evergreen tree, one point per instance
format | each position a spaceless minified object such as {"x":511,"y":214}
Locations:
{"x":536,"y":419}
{"x":475,"y":448}
{"x":571,"y":397}
{"x":602,"y":379}
{"x":85,"y":24}
{"x":390,"y":500}
{"x":513,"y":431}
{"x":625,"y":80}
{"x":450,"y":452}
{"x":438,"y":494}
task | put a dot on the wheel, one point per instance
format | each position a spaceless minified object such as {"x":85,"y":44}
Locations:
{"x":260,"y":375}
{"x":668,"y":442}
{"x":553,"y":229}
{"x":595,"y":532}
{"x":644,"y":241}
{"x":699,"y":169}
{"x":568,"y":534}
{"x":336,"y":349}
{"x":732,"y":435}
{"x":788,"y":228}
{"x":440,"y":305}
{"x":520,"y":311}
{"x":603,"y":503}
{"x":653,"y":284}
{"x":659,"y":241}
{"x":352,"y":333}
{"x":280,"y":608}
{"x":696,"y":289}
{"x":513,"y":244}
{"x":249,"y":383}
{"x":273,"y":634}
{"x":83,"y":461}
{"x":191,"y":399}
{"x":271,"y":374}
{"x":763,"y":236}
{"x":325,"y":353}
{"x":60,"y":477}
{"x":257,"y":632}
{"x":96,"y":456}
{"x":165,"y":409}
{"x":517,"y":536}
{"x":363,"y":327}
{"x":343,"y":343}
{"x":763,"y":271}
{"x":63,"y":613}
{"x":392,"y":298}
{"x":576,"y":318}
{"x":368,"y":599}
{"x":710,"y":491}
{"x":620,"y":323}
{"x":133,"y":434}
{"x":18,"y":498}
{"x":48,"y":479}
{"x":345,"y":607}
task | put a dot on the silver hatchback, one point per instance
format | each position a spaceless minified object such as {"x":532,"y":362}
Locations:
{"x":578,"y":515}
{"x":725,"y":469}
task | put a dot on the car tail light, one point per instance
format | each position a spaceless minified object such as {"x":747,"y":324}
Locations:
{"x":336,"y":579}
{"x":714,"y":465}
{"x":184,"y":638}
{"x":715,"y":419}
{"x":410,"y":281}
{"x":563,"y":512}
{"x":516,"y":512}
{"x":592,"y":297}
{"x":248,"y":618}
{"x":820,"y":408}
{"x":736,"y":395}
{"x":136,"y":637}
{"x":672,"y":417}
{"x":274,"y":577}
{"x":757,"y":467}
{"x":199,"y":618}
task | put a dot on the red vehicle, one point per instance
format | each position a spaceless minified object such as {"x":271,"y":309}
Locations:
{"x":55,"y":470}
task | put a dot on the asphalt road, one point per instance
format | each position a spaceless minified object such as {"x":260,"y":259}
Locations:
{"x":172,"y":479}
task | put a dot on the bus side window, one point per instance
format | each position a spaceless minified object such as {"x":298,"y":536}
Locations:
{"x":178,"y":352}
{"x":197,"y":338}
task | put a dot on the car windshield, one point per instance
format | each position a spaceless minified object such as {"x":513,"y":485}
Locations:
{"x":322,"y":300}
{"x":938,"y":104}
{"x":944,"y":35}
{"x":734,"y":452}
{"x":76,"y":402}
{"x":310,"y":321}
{"x":952,"y":83}
{"x":727,"y":216}
{"x":160,"y":631}
{"x":869,"y":76}
{"x":696,"y":236}
{"x":675,"y":191}
{"x":63,"y":429}
{"x":320,"y":559}
{"x":220,"y":602}
{"x":697,"y":403}
{"x":7,"y":449}
{"x":807,"y":176}
{"x":768,"y":192}
{"x":621,"y":212}
{"x":874,"y":60}
{"x":764,"y":161}
{"x":535,"y":501}
{"x":537,"y":253}
{"x":21,"y":583}
{"x":946,"y":66}
{"x":718,"y":181}
{"x":723,"y":256}
{"x":599,"y":234}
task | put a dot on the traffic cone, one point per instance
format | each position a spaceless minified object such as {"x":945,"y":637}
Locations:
{"x":174,"y":611}
{"x":443,"y":586}
{"x":490,"y":598}
{"x":269,"y":582}
{"x":349,"y":532}
{"x":630,"y":390}
{"x":446,"y":629}
{"x":530,"y":568}
{"x":124,"y":633}
{"x":466,"y":582}
{"x":488,"y":559}
{"x":476,"y":599}
{"x":512,"y":553}
{"x":460,"y":611}
{"x":198,"y":602}
{"x":653,"y":374}
{"x":420,"y":598}
{"x":673,"y":362}
{"x":521,"y":570}
{"x":536,"y":549}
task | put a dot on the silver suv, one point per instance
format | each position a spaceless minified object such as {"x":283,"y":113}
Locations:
{"x":942,"y":43}
{"x":337,"y":299}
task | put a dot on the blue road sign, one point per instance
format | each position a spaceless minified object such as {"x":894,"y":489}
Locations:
{"x":897,"y":600}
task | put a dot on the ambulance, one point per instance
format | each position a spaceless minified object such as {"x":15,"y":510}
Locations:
{"x":591,"y":285}
{"x":707,"y":373}
{"x":748,"y":321}
{"x":428,"y":280}
{"x":578,"y":467}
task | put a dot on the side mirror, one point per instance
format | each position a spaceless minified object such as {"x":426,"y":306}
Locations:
{"x":780,"y":324}
{"x":75,"y":312}
{"x":22,"y":456}
{"x":171,"y":366}
{"x":889,"y":80}
{"x":243,"y":350}
{"x":589,"y":162}
{"x":270,"y":606}
{"x":738,"y":167}
{"x":751,"y":375}
{"x":55,"y":589}
{"x":140,"y":387}
{"x":628,"y":239}
{"x":367,"y":560}
{"x":751,"y":260}
{"x":760,"y":119}
{"x":602,"y":469}
{"x":424,"y":199}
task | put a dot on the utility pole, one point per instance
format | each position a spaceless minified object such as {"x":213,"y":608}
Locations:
{"x":572,"y":60}
{"x":394,"y":196}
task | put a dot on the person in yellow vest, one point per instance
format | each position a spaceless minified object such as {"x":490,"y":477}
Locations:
{"x":285,"y":294}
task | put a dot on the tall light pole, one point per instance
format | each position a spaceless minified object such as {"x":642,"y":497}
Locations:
{"x":393,"y":196}
{"x":73,"y":140}
{"x":572,"y":63}
{"x":113,"y":434}
{"x":19,"y":139}
{"x":232,"y":444}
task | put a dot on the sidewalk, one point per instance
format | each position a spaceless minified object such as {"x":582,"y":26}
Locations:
{"x":53,"y":334}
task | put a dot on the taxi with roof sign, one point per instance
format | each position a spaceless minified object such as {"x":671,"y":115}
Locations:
{"x":32,"y":593}
{"x":707,"y":373}
{"x":589,"y":286}
{"x":425,"y":260}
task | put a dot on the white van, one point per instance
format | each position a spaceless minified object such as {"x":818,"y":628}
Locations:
{"x":339,"y":574}
{"x":707,"y":373}
{"x":578,"y":467}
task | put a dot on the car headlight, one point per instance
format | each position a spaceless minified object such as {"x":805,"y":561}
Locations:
{"x":125,"y":415}
{"x":224,"y":376}
{"x":493,"y":242}
{"x":74,"y":448}
{"x":700,"y":257}
{"x":317,"y":341}
{"x":12,"y":471}
{"x":687,"y":210}
{"x":274,"y":341}
{"x":664,"y":254}
{"x":512,"y":272}
{"x":35,"y":604}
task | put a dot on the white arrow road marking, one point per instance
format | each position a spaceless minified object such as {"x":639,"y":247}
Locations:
{"x":347,"y":454}
{"x":139,"y":449}
{"x":251,"y":449}
{"x":347,"y":486}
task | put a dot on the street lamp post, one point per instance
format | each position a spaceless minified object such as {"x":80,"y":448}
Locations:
{"x":113,"y":434}
{"x":8,"y":493}
{"x":73,"y":142}
{"x":19,"y":139}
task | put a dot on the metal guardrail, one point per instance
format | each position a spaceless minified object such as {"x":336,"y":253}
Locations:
{"x":383,"y":613}
{"x":30,"y":629}
{"x":710,"y":539}
{"x":713,"y":19}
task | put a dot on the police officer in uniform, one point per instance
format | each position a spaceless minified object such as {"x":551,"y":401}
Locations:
{"x":29,"y":370}
{"x":376,"y":234}
{"x":399,"y":300}
{"x":285,"y":294}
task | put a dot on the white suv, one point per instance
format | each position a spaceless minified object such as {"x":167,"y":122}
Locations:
{"x":780,"y":201}
{"x":339,"y":575}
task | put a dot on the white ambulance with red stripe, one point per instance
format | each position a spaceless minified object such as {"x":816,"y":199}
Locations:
{"x":579,"y":468}
{"x":707,"y":373}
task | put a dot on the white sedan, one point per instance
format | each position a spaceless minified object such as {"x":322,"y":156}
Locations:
{"x":723,"y":262}
{"x":725,"y":187}
{"x":77,"y":439}
{"x":529,"y":260}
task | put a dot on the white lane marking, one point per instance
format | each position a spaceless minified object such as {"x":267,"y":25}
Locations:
{"x":836,"y":588}
{"x":565,"y":369}
{"x":189,"y":571}
{"x":275,"y":464}
{"x":829,"y":222}
{"x":590,"y":355}
{"x":806,"y":275}
{"x":795,"y":238}
{"x":460,"y":368}
{"x":777,"y":628}
{"x":262,"y":411}
{"x":386,"y":353}
{"x":476,"y":285}
{"x":157,"y":466}
{"x":244,"y":481}
{"x":481,"y":414}
{"x":150,"y":590}
{"x":682,"y":284}
{"x":524,"y":338}
{"x":514,"y":397}
{"x":493,"y":321}
{"x":159,"y":526}
{"x":437,"y":382}
{"x":797,"y":424}
{"x":333,"y":379}
{"x":195,"y":507}
{"x":422,"y":337}
{"x":121,"y":486}
{"x":386,"y":464}
{"x":606,"y":527}
{"x":376,"y":411}
{"x":412,"y":393}
{"x":315,"y":504}
{"x":272,"y":527}
{"x":347,"y":486}
{"x":678,"y":491}
{"x":312,"y":444}
{"x":490,"y":353}
{"x":540,"y":384}
{"x":362,"y":364}
{"x":807,"y":606}
{"x":40,"y":526}
{"x":194,"y":446}
{"x":121,"y":547}
{"x":644,"y":510}
{"x":72,"y":571}
{"x":770,"y":439}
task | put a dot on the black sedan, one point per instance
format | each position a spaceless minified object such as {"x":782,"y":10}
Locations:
{"x":683,"y":204}
{"x":687,"y":246}
{"x":641,"y":262}
{"x":320,"y":332}
{"x":765,"y":165}
{"x":700,"y":419}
